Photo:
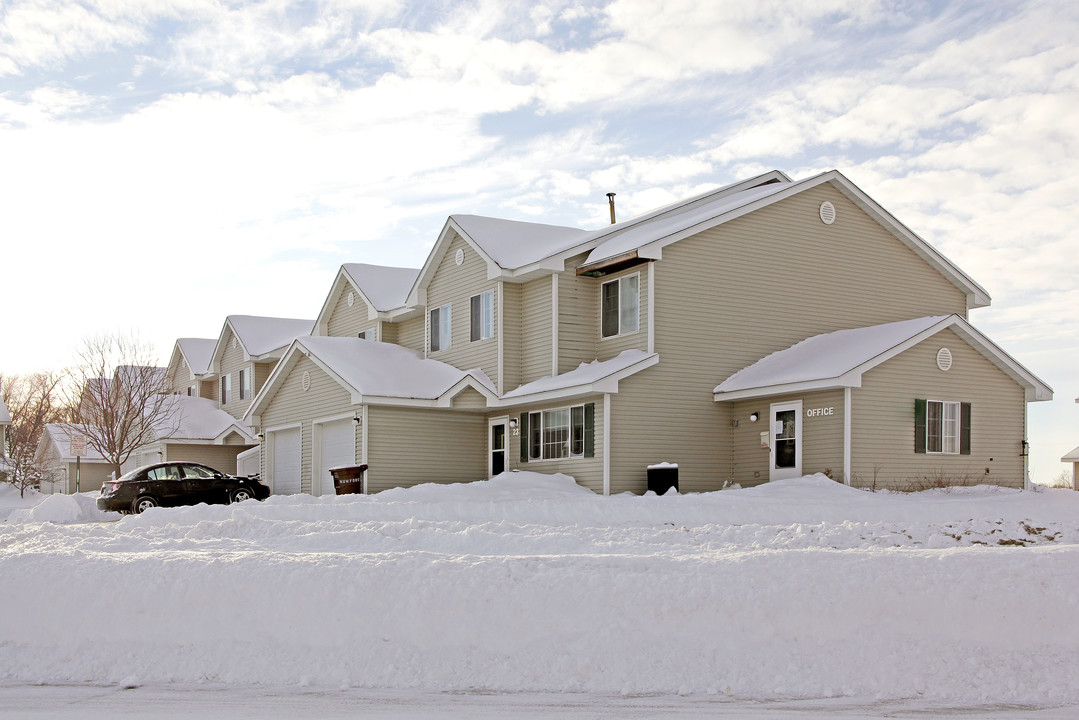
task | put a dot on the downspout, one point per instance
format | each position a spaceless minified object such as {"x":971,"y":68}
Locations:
{"x":846,"y":434}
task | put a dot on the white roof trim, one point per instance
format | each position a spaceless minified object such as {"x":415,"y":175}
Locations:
{"x":1035,"y":389}
{"x":418,"y":294}
{"x":607,"y":384}
{"x":1073,"y":456}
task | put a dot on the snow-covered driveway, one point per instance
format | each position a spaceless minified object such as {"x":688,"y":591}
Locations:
{"x":528,"y":583}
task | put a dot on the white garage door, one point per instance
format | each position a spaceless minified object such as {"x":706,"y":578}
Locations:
{"x":286,"y":461}
{"x":338,"y":447}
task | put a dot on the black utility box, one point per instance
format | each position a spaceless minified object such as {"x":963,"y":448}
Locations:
{"x":662,"y":477}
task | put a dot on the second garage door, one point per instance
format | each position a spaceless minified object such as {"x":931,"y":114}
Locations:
{"x":337,"y":448}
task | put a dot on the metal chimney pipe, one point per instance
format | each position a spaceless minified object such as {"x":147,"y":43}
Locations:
{"x":610,"y":199}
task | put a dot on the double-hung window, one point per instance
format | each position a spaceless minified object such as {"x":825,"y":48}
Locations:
{"x":557,"y":433}
{"x":441,"y":328}
{"x":620,"y":306}
{"x":942,"y":427}
{"x":226,"y":389}
{"x":483,"y":316}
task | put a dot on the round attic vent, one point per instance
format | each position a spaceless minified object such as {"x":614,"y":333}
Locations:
{"x":944,"y":359}
{"x":827,"y":213}
{"x":306,"y":381}
{"x":234,"y":342}
{"x":459,"y":257}
{"x":351,"y":299}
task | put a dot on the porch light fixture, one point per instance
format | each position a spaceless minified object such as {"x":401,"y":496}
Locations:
{"x":513,"y":423}
{"x":355,"y":418}
{"x":260,"y":437}
{"x":754,"y":416}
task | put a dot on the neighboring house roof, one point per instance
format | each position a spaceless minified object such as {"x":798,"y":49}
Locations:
{"x":1073,"y":456}
{"x":384,"y":288}
{"x":512,"y":244}
{"x":197,"y":353}
{"x":59,"y":437}
{"x":131,"y":373}
{"x":262,"y":338}
{"x":375,"y":371}
{"x":195,"y":418}
{"x":838,"y":359}
{"x":588,"y":378}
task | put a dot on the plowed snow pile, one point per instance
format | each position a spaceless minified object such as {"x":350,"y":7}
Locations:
{"x":801,"y":588}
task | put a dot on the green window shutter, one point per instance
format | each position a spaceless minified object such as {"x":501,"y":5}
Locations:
{"x":919,"y":425}
{"x":523,"y":426}
{"x":964,"y":429}
{"x":590,"y":430}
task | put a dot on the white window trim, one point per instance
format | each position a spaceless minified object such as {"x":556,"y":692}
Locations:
{"x":958,"y":426}
{"x":569,"y":439}
{"x":621,"y":332}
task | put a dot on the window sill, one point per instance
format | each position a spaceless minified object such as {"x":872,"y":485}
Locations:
{"x":620,"y":335}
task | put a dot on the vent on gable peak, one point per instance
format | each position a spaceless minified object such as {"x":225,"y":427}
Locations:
{"x":827,"y":213}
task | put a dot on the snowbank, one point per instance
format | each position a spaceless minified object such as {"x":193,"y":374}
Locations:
{"x":802,"y":588}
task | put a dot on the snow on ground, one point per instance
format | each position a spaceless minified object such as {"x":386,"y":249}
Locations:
{"x":528,"y":583}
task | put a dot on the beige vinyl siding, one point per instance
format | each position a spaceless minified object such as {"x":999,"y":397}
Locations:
{"x":219,"y":457}
{"x":91,"y":476}
{"x":469,"y":399}
{"x":607,"y":348}
{"x":883,"y":419}
{"x":728,"y":296}
{"x":261,"y":372}
{"x":410,"y":333}
{"x":232,"y":361}
{"x":822,"y":436}
{"x":511,"y":337}
{"x":588,"y":472}
{"x":345,"y":321}
{"x":178,"y":376}
{"x":291,"y":404}
{"x":454,"y":285}
{"x":578,"y":317}
{"x":208,"y":390}
{"x":536,"y":330}
{"x":409,"y":446}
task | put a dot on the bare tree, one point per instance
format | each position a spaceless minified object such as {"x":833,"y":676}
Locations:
{"x":120,"y":396}
{"x":33,"y":401}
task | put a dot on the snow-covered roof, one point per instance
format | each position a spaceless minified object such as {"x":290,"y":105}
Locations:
{"x":513,"y":244}
{"x":636,"y":232}
{"x":60,"y":436}
{"x":1073,"y":456}
{"x":197,"y":352}
{"x":261,"y":337}
{"x":592,"y":377}
{"x":384,"y":287}
{"x":5,"y":417}
{"x":838,"y":359}
{"x":377,"y":371}
{"x":195,"y":418}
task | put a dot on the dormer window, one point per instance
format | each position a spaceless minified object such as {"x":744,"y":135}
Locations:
{"x":620,"y":302}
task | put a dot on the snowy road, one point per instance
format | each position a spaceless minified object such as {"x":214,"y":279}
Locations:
{"x":547,"y":596}
{"x":231,"y":703}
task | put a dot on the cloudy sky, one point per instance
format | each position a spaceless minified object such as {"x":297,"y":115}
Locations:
{"x":164,"y":163}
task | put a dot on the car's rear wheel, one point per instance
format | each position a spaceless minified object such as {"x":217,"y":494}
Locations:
{"x":241,"y":494}
{"x":143,"y":502}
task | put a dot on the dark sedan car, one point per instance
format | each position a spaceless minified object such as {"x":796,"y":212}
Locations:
{"x":176,"y":483}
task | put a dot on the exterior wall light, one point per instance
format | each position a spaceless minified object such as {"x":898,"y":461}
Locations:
{"x":513,"y":423}
{"x":260,"y":437}
{"x":355,"y":418}
{"x":754,"y":416}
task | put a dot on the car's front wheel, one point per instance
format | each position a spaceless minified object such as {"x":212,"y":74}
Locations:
{"x":143,"y":502}
{"x":241,"y":494}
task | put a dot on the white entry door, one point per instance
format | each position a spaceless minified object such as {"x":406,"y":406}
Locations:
{"x":497,"y":459}
{"x":286,"y":461}
{"x":785,"y":448}
{"x":337,"y":448}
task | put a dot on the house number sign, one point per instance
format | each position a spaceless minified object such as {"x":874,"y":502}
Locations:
{"x":820,"y":412}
